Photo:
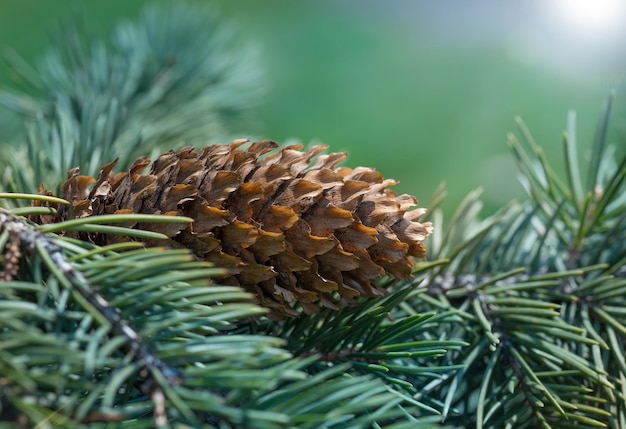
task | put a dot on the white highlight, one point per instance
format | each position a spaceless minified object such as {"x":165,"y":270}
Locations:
{"x":591,"y":17}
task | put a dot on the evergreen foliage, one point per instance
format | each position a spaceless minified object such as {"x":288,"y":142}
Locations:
{"x":541,"y":285}
{"x":176,"y":75}
{"x":515,"y":321}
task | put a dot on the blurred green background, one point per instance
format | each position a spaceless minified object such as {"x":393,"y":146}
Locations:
{"x":423,"y":91}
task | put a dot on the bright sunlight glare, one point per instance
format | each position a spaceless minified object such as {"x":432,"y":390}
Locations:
{"x":591,"y":17}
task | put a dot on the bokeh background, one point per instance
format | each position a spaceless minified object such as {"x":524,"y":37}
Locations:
{"x":424,"y":91}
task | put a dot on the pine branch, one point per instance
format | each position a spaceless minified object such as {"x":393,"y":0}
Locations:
{"x":400,"y":351}
{"x":178,"y":75}
{"x":27,"y":238}
{"x":196,"y":371}
{"x":540,"y":286}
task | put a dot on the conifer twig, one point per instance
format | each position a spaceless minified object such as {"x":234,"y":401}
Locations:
{"x":32,"y":240}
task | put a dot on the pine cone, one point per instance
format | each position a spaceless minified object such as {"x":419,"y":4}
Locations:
{"x":290,"y":226}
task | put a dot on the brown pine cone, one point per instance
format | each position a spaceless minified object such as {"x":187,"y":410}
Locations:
{"x":290,"y":226}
